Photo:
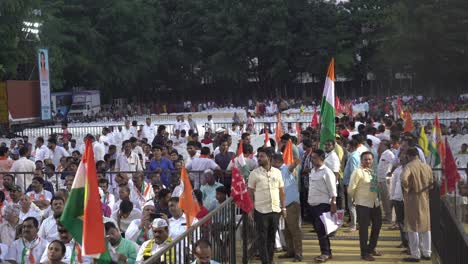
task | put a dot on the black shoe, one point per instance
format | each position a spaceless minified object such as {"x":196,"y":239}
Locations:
{"x":285,"y":256}
{"x":411,"y":260}
{"x":298,"y":258}
{"x":425,"y":258}
{"x":368,"y":258}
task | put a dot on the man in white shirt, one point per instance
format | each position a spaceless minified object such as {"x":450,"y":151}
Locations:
{"x":199,"y":165}
{"x":139,"y":230}
{"x":178,"y":221}
{"x":39,"y":196}
{"x":56,"y":152}
{"x":396,"y":197}
{"x":128,"y":131}
{"x":29,"y":246}
{"x":383,"y":169}
{"x":125,"y":215}
{"x":10,"y":223}
{"x":48,"y":230}
{"x":26,"y":209}
{"x":105,"y":139}
{"x":322,"y":199}
{"x":42,"y":152}
{"x":149,"y":130}
{"x":23,"y":165}
{"x":128,"y":160}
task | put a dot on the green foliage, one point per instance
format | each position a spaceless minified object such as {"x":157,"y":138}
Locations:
{"x":130,"y":48}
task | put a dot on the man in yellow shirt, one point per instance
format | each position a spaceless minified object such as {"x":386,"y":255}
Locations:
{"x":364,"y":191}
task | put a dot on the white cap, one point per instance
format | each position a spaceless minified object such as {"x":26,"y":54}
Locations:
{"x":148,"y":203}
{"x":159,"y":222}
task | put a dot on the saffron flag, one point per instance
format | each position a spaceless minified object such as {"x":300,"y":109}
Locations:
{"x":450,"y":175}
{"x":82,"y":215}
{"x":279,"y":129}
{"x":423,"y":141}
{"x":327,"y":109}
{"x":409,"y":126}
{"x":314,"y":122}
{"x":298,"y":128}
{"x":288,"y":157}
{"x":239,"y":191}
{"x":186,"y":200}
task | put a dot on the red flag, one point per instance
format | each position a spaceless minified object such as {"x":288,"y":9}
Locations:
{"x":186,"y":200}
{"x":409,"y":126}
{"x":298,"y":128}
{"x":337,"y":105}
{"x":92,"y":218}
{"x":314,"y":122}
{"x":350,"y":108}
{"x":239,"y":191}
{"x":240,"y":149}
{"x":451,"y":175}
{"x":288,"y":153}
{"x":279,"y":129}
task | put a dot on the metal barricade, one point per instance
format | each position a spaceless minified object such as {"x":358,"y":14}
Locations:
{"x":218,"y":227}
{"x":449,"y":224}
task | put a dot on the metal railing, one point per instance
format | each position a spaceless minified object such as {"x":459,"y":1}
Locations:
{"x":218,"y":227}
{"x":449,"y":224}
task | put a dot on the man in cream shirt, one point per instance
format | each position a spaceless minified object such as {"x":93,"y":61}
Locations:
{"x":363,"y":190}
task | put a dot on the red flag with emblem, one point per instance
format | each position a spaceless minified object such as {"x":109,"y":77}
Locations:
{"x":337,"y":106}
{"x":450,"y":175}
{"x":239,"y":191}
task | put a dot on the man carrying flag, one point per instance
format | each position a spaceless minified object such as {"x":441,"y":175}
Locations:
{"x":327,"y":109}
{"x":82,"y":215}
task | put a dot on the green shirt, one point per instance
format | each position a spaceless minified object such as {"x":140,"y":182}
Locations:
{"x":127,"y":248}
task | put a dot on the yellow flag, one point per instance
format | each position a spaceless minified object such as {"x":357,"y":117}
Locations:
{"x":423,"y":143}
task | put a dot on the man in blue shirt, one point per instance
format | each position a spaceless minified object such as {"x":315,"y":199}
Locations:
{"x":162,"y":165}
{"x":354,"y":161}
{"x":292,"y":231}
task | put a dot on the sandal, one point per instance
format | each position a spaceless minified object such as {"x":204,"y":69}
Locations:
{"x":322,"y":258}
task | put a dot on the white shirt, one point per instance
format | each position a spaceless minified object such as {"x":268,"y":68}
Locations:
{"x":99,"y":151}
{"x":178,"y":226}
{"x":127,"y":133}
{"x":105,"y":139}
{"x":141,"y":196}
{"x":57,"y":154}
{"x":48,"y":230}
{"x":385,"y":165}
{"x":42,"y":153}
{"x":23,"y":165}
{"x":134,"y":231}
{"x":108,"y":199}
{"x":178,"y":190}
{"x":124,"y":223}
{"x":69,"y":248}
{"x":396,"y":193}
{"x":30,"y":213}
{"x":200,"y":165}
{"x":130,"y":163}
{"x":16,"y":250}
{"x":8,"y":232}
{"x":332,"y":161}
{"x":375,"y":142}
{"x":322,"y":186}
{"x":154,"y":250}
{"x":149,"y":132}
{"x":43,"y":195}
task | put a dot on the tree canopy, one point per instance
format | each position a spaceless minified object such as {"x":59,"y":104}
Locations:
{"x":138,"y":47}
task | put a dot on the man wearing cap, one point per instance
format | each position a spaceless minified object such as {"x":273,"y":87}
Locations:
{"x":139,"y":230}
{"x":160,"y":228}
{"x":15,"y":194}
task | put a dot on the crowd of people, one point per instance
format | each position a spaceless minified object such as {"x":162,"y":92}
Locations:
{"x":371,"y":170}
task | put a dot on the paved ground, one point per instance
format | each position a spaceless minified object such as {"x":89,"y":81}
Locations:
{"x":345,"y":247}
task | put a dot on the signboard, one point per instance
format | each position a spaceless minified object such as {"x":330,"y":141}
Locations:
{"x":43,"y":66}
{"x":3,"y":103}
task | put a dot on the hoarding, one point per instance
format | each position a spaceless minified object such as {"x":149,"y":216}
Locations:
{"x":43,"y":66}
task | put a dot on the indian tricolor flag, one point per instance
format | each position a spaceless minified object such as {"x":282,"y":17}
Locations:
{"x":82,"y":215}
{"x":327,"y":109}
{"x":436,"y":146}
